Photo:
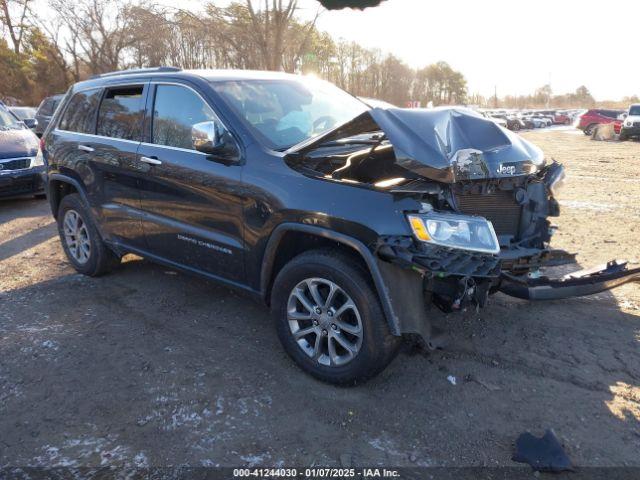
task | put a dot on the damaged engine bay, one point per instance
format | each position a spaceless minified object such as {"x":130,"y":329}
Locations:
{"x":470,"y":177}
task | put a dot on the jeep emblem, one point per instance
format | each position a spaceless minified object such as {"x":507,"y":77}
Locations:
{"x":506,"y":170}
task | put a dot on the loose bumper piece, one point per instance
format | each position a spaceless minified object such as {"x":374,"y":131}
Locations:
{"x":578,"y":284}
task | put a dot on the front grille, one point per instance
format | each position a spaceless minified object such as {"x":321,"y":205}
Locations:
{"x":499,"y":207}
{"x":15,"y":164}
{"x":636,"y":124}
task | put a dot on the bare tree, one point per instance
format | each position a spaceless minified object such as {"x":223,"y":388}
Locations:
{"x":99,"y":32}
{"x":16,"y":26}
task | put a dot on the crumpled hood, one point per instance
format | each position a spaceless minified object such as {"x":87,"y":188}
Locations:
{"x":443,"y":144}
{"x":18,"y":143}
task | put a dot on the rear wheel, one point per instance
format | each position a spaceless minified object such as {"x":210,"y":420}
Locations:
{"x":329,"y":318}
{"x":80,"y":239}
{"x":590,"y":128}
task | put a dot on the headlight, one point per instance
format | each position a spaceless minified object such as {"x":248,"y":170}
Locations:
{"x":455,"y":231}
{"x":38,"y":160}
{"x":556,"y":181}
{"x":628,"y":124}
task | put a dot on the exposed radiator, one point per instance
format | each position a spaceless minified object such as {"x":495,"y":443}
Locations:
{"x":499,"y":207}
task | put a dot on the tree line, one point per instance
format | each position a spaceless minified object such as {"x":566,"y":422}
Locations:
{"x":43,"y":54}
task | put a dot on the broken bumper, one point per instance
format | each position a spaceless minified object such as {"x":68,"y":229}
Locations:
{"x":577,"y":284}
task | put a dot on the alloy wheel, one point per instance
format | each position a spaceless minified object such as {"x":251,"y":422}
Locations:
{"x":76,"y":236}
{"x":325,"y":322}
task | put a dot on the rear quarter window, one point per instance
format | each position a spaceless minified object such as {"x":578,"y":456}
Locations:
{"x":80,"y":113}
{"x":121,"y":113}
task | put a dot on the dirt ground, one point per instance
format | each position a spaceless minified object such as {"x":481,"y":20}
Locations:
{"x":149,"y":367}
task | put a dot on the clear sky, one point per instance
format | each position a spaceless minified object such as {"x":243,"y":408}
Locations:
{"x":515,"y":45}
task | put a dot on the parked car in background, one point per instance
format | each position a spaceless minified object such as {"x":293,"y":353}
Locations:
{"x":26,"y":114}
{"x":45,"y":111}
{"x":526,"y":121}
{"x":562,"y":117}
{"x":591,"y":118}
{"x":512,"y":121}
{"x":630,"y":126}
{"x":535,"y":120}
{"x":497,"y":120}
{"x":21,"y":164}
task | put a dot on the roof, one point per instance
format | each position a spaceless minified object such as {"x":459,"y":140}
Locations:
{"x":206,"y":74}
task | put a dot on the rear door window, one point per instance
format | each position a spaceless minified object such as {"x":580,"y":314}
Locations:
{"x":80,"y":114}
{"x":121,"y":113}
{"x":176,"y":109}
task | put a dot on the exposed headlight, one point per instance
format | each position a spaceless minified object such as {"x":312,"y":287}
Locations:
{"x":38,"y":160}
{"x":455,"y":231}
{"x":557,"y":180}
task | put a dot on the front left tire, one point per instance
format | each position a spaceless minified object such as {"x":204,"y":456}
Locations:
{"x":80,"y":239}
{"x":329,"y":319}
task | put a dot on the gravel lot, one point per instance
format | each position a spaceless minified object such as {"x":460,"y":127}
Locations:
{"x":149,"y":367}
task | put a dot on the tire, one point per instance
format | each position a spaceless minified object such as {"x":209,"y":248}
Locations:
{"x":374,"y":348}
{"x":589,"y":130}
{"x":515,"y":127}
{"x":90,"y":256}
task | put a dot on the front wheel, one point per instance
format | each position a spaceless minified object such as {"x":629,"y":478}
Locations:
{"x":589,"y":130}
{"x":329,"y":318}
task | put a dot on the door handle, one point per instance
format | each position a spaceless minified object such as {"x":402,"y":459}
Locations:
{"x":85,"y":148}
{"x":151,"y":160}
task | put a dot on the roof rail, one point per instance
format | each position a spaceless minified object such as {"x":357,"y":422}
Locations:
{"x":135,"y":71}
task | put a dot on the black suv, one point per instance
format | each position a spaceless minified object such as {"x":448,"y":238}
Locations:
{"x":343,"y":218}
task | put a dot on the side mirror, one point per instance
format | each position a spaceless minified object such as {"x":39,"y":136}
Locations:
{"x":213,"y":139}
{"x":30,"y":122}
{"x":206,"y":137}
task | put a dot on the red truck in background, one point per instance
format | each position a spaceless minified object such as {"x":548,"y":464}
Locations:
{"x":591,"y":118}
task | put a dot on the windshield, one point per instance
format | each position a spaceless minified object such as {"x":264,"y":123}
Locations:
{"x":635,"y":110}
{"x":286,"y":112}
{"x":8,"y":121}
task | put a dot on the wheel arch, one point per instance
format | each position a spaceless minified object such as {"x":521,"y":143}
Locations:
{"x":60,"y":185}
{"x":275,"y":258}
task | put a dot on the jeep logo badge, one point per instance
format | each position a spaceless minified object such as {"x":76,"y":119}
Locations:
{"x":506,"y":170}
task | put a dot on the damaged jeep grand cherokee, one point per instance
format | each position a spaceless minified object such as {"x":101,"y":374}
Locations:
{"x":348,"y":221}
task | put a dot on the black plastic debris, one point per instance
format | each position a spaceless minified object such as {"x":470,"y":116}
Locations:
{"x":338,"y":4}
{"x":543,"y":454}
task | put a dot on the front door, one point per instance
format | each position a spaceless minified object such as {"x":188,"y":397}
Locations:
{"x":191,"y":203}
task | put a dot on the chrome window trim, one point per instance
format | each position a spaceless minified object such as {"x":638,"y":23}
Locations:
{"x":150,"y":144}
{"x":93,"y":135}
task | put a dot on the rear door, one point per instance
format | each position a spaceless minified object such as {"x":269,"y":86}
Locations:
{"x":191,"y":202}
{"x":113,"y":152}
